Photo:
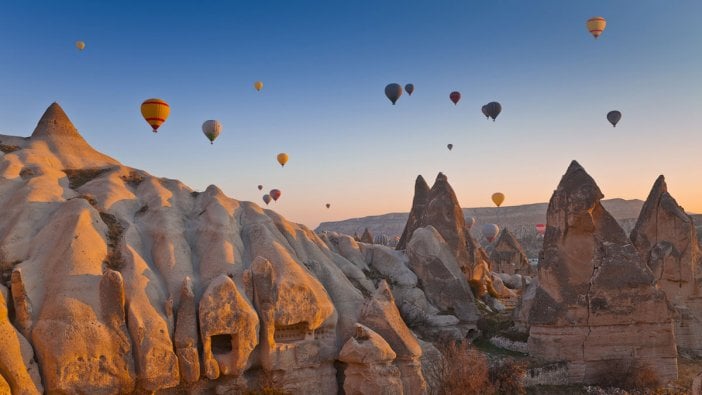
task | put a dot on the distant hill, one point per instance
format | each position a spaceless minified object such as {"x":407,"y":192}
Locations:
{"x":514,"y":217}
{"x":521,"y":220}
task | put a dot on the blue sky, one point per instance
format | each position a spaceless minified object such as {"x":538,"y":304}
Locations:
{"x":325,"y":65}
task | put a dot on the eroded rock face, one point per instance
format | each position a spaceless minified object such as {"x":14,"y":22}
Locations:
{"x":419,"y":201}
{"x":441,"y":278}
{"x":228,"y":328}
{"x":370,"y":369}
{"x":508,"y":256}
{"x":596,"y":297}
{"x":186,"y":337}
{"x":666,"y":239}
{"x":438,"y":207}
{"x":381,"y":315}
{"x":18,"y":370}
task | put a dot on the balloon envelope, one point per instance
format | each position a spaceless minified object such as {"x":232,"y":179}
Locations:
{"x":613,"y":117}
{"x":490,"y":231}
{"x":470,"y":221}
{"x":80,"y":45}
{"x":267,"y":199}
{"x":275,"y":194}
{"x":328,"y":205}
{"x":282,"y":158}
{"x":541,"y":228}
{"x":260,"y":187}
{"x":393,"y":92}
{"x":212,"y":128}
{"x":498,"y":198}
{"x":155,"y":112}
{"x":484,"y":110}
{"x":409,"y":88}
{"x":493,"y":109}
{"x":449,"y":146}
{"x":455,"y":96}
{"x":596,"y":25}
{"x":258,"y":85}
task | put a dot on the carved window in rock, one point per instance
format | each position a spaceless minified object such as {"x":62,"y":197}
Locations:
{"x":292,"y":333}
{"x":221,"y":344}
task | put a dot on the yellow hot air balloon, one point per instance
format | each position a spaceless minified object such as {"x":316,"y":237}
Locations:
{"x":80,"y":45}
{"x":155,"y":112}
{"x":258,"y":85}
{"x":282,"y":158}
{"x":498,"y":198}
{"x":596,"y":25}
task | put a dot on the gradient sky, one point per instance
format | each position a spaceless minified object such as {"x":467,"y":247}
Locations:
{"x":325,"y":65}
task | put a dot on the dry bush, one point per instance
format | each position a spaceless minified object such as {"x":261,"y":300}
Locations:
{"x":8,"y":148}
{"x":462,"y":370}
{"x":507,"y":377}
{"x":628,"y":375}
{"x":79,"y":177}
{"x":133,"y":178}
{"x":115,"y":230}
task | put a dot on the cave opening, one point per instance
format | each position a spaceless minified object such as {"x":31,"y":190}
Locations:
{"x":221,"y":344}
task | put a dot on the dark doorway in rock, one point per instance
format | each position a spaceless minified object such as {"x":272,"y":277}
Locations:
{"x":221,"y":344}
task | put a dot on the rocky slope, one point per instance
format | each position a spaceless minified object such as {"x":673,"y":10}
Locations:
{"x":115,"y":280}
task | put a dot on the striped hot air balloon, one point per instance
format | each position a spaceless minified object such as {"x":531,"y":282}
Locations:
{"x":155,"y":112}
{"x":596,"y":25}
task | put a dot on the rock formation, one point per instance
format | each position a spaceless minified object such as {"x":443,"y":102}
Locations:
{"x":419,"y":201}
{"x":508,"y":257}
{"x":596,"y":305}
{"x":370,"y":369}
{"x":367,"y":237}
{"x":121,"y":281}
{"x":666,"y":239}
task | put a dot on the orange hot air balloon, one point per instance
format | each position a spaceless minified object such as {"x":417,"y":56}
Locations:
{"x":596,"y":25}
{"x":282,"y":158}
{"x":275,"y":194}
{"x":155,"y":112}
{"x":258,"y":85}
{"x":498,"y":198}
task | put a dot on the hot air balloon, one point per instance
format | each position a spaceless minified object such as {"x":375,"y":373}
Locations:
{"x":449,"y":146}
{"x":490,"y":231}
{"x":470,"y":221}
{"x":493,"y":109}
{"x":155,"y":112}
{"x":258,"y":85}
{"x":613,"y":117}
{"x":212,"y":128}
{"x":409,"y":88}
{"x":80,"y":45}
{"x":275,"y":194}
{"x":455,"y":96}
{"x":596,"y":25}
{"x":484,"y":110}
{"x":541,"y":229}
{"x":267,"y":199}
{"x":260,"y":187}
{"x":282,"y":158}
{"x":498,"y":198}
{"x":328,"y":205}
{"x":393,"y":92}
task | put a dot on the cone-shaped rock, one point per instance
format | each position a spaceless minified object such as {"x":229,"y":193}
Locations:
{"x":421,"y":193}
{"x":55,"y":123}
{"x":666,"y":239}
{"x":596,"y":307}
{"x":367,"y":237}
{"x":509,"y":257}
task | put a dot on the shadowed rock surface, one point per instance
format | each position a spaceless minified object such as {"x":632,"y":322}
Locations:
{"x":666,"y":239}
{"x":596,"y":297}
{"x":508,"y":257}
